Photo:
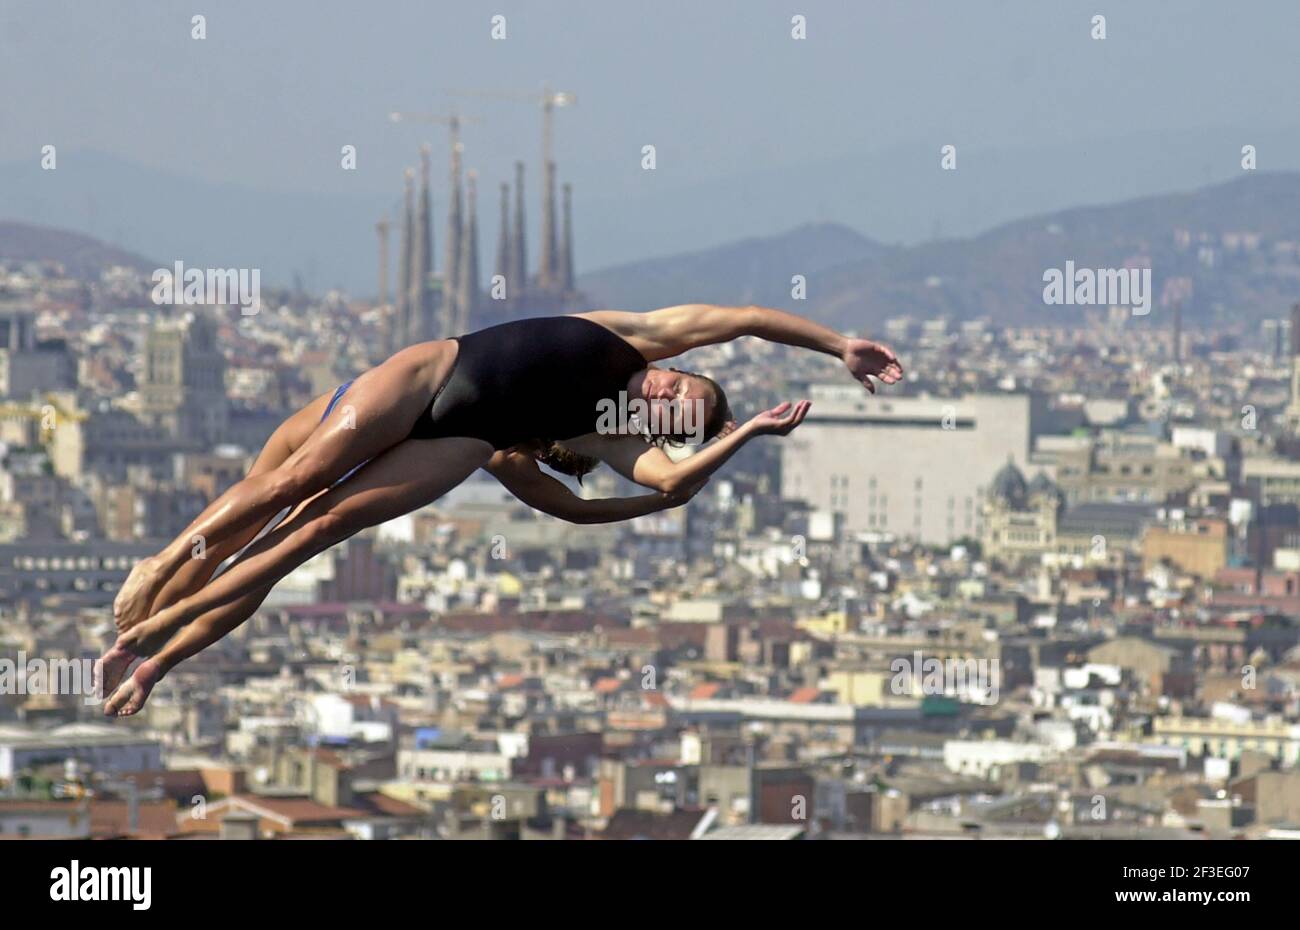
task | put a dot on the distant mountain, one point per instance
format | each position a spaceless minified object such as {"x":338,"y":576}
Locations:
{"x":323,"y":233}
{"x":855,"y":283}
{"x":755,"y":270}
{"x":81,"y":256}
{"x":1000,"y":273}
{"x":325,"y":240}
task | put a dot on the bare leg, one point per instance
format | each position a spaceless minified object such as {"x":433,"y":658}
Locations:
{"x":378,"y":411}
{"x":413,"y":473}
{"x":288,"y":436}
{"x":129,"y":697}
{"x":146,"y":639}
{"x":143,"y":641}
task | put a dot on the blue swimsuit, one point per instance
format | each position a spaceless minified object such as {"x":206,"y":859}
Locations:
{"x":329,"y":408}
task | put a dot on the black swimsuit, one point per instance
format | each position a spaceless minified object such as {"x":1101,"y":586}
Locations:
{"x":540,"y":378}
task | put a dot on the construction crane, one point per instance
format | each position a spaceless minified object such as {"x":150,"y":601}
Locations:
{"x":548,"y":100}
{"x":452,"y":121}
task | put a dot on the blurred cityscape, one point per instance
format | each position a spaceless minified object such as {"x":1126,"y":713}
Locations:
{"x":1049,"y":586}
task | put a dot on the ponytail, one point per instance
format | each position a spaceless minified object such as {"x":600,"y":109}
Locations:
{"x":564,"y":460}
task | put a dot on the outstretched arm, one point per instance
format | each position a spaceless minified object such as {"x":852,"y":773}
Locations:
{"x":671,"y":331}
{"x":522,"y":478}
{"x":648,"y":465}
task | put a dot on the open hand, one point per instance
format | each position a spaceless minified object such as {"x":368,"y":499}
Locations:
{"x":781,"y":419}
{"x":866,"y":359}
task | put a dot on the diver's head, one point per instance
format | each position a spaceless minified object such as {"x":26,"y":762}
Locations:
{"x":684,"y":406}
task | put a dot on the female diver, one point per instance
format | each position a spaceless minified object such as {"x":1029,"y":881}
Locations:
{"x":409,"y":430}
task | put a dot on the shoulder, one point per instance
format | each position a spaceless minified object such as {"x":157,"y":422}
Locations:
{"x":670,"y":331}
{"x":638,"y":330}
{"x":622,"y":322}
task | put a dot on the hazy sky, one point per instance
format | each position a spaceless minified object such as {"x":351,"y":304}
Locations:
{"x":720,"y":88}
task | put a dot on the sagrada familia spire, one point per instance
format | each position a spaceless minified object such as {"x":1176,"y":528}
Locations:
{"x":431,"y":307}
{"x":566,"y":244}
{"x":518,"y":249}
{"x":420,"y":319}
{"x":503,"y":265}
{"x":382,"y":228}
{"x":552,"y":290}
{"x":451,"y":270}
{"x":546,"y":277}
{"x":466,"y":303}
{"x":401,"y":313}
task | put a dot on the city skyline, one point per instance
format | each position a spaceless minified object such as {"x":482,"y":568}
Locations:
{"x":708,"y":421}
{"x":278,"y":200}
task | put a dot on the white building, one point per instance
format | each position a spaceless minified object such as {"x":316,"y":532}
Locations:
{"x":914,"y":466}
{"x":101,"y":748}
{"x":44,"y":819}
{"x":368,"y":718}
{"x":982,"y":757}
{"x":478,"y":761}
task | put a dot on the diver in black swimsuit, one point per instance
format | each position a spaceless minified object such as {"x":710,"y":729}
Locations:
{"x":404,"y":433}
{"x":501,"y":383}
